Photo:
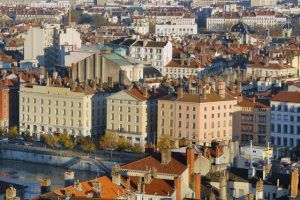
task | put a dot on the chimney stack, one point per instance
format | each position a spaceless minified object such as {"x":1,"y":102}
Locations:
{"x":166,"y":156}
{"x":294,"y":182}
{"x":139,"y":185}
{"x":115,"y":175}
{"x":222,"y":89}
{"x":180,"y":92}
{"x":223,"y":185}
{"x":190,"y":158}
{"x":197,"y":186}
{"x":177,"y":185}
{"x":69,"y":178}
{"x":204,"y":92}
{"x":45,"y":186}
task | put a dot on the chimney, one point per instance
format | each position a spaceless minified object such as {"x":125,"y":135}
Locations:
{"x":197,"y":186}
{"x":231,"y":86}
{"x":115,"y":175}
{"x":294,"y":182}
{"x":223,"y":185}
{"x":127,"y":184}
{"x":69,"y":178}
{"x":97,"y":187}
{"x":190,"y":159}
{"x":177,"y":185}
{"x":110,"y":82}
{"x":45,"y":186}
{"x":189,"y":61}
{"x":166,"y":156}
{"x":145,"y":91}
{"x":180,"y":92}
{"x":59,"y":82}
{"x":267,"y":61}
{"x":260,"y":190}
{"x":139,"y":185}
{"x":182,"y":58}
{"x":204,"y":92}
{"x":240,"y":98}
{"x":222,"y":89}
{"x":11,"y":193}
{"x":239,"y":87}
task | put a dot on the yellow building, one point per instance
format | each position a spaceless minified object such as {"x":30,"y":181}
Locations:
{"x":201,"y":116}
{"x":49,"y":109}
{"x":132,"y":115}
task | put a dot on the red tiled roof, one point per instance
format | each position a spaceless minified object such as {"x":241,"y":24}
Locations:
{"x":109,"y":189}
{"x":285,"y":96}
{"x":175,"y":166}
{"x":136,"y":93}
{"x":250,"y":103}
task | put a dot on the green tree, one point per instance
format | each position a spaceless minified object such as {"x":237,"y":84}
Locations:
{"x":66,"y":141}
{"x":51,"y":140}
{"x":88,"y":145}
{"x":13,"y":132}
{"x":108,"y":141}
{"x":166,"y":142}
{"x":123,"y":143}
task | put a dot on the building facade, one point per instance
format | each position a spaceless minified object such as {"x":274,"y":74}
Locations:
{"x":50,"y":109}
{"x":251,"y":122}
{"x":132,"y":115}
{"x":285,"y":119}
{"x":196,"y":117}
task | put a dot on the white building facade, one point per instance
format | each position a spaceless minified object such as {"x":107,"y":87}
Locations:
{"x":285,"y":119}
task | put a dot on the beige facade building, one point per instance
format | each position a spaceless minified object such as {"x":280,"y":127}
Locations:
{"x":200,"y":116}
{"x":251,"y":122}
{"x":132,"y":115}
{"x":49,"y":109}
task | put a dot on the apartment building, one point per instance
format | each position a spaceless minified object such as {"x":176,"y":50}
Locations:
{"x":285,"y":119}
{"x":251,"y":121}
{"x":168,"y":175}
{"x":270,"y":69}
{"x":265,"y":3}
{"x":259,"y":18}
{"x":49,"y":44}
{"x":156,"y":53}
{"x":183,"y":68}
{"x":54,"y":108}
{"x":131,"y":114}
{"x":201,"y":116}
{"x":9,"y":107}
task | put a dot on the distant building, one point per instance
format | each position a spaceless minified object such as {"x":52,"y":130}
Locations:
{"x":285,"y":119}
{"x":49,"y":45}
{"x":263,"y":3}
{"x":105,"y":66}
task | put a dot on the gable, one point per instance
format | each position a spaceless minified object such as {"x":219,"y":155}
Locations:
{"x":122,"y":95}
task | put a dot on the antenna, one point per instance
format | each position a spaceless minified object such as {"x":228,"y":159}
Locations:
{"x":251,"y":150}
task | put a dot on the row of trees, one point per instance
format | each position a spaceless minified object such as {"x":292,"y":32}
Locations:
{"x":108,"y":141}
{"x":11,"y":133}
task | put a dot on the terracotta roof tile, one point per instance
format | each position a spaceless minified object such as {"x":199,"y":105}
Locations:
{"x":285,"y":96}
{"x":175,"y":166}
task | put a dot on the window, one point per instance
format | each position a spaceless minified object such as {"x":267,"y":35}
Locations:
{"x":128,"y":118}
{"x":137,"y":110}
{"x":137,"y":119}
